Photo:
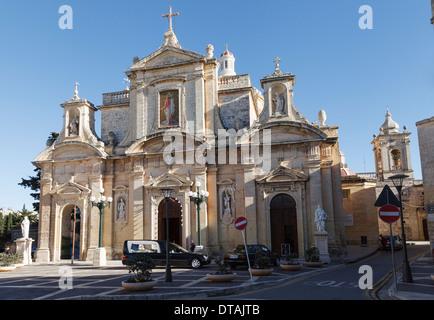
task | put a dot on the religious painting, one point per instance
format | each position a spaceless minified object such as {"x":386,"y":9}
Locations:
{"x":169,"y":108}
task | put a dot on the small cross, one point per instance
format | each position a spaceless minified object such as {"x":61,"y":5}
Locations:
{"x":76,"y":91}
{"x":227,"y":46}
{"x":170,"y":15}
{"x":276,"y":60}
{"x":127,"y":81}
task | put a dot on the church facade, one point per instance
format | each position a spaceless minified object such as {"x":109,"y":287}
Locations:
{"x":187,"y":121}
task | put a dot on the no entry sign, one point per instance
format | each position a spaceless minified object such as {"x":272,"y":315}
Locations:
{"x":389,"y":213}
{"x":240,"y":223}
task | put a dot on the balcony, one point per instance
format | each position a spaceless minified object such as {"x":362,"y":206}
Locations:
{"x":116,"y":98}
{"x":234,"y":82}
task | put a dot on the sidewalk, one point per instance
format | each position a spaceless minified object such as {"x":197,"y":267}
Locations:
{"x":422,"y":287}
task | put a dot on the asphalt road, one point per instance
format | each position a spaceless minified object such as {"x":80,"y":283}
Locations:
{"x":339,"y":283}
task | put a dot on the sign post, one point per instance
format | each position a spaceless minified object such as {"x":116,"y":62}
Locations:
{"x":241,"y":224}
{"x":390,"y":214}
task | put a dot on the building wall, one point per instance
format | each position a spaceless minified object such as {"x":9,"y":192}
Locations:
{"x":425,"y":130}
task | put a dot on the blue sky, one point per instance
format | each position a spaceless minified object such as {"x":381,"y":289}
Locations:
{"x":353,"y":74}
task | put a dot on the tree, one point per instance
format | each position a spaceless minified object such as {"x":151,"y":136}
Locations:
{"x":33,"y":182}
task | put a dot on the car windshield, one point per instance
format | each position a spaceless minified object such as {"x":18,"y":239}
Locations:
{"x":242,"y":249}
{"x":178,"y":247}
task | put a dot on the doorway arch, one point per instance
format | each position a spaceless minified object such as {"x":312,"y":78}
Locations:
{"x":69,"y":234}
{"x":283,"y":222}
{"x":175,"y":221}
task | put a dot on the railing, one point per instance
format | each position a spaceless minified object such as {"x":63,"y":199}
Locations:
{"x":120,"y":97}
{"x":234,"y":82}
{"x":372,"y":175}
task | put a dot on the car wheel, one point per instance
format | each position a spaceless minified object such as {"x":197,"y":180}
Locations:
{"x":195,"y":263}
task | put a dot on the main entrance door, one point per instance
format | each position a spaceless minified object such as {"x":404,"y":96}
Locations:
{"x":69,"y":233}
{"x":283,"y":220}
{"x":175,"y":221}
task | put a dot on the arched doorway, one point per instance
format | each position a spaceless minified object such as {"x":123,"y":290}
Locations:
{"x":283,"y":221}
{"x":70,"y":233}
{"x":175,"y":221}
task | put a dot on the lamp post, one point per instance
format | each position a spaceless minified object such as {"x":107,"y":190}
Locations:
{"x":406,"y":271}
{"x":198,"y":197}
{"x":101,"y":204}
{"x":167,"y":193}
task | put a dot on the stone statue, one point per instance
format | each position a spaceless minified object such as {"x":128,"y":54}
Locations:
{"x":227,"y":200}
{"x":320,"y":217}
{"x":25,"y":225}
{"x":121,"y":209}
{"x":73,"y":127}
{"x":112,"y":142}
{"x":279,"y":103}
{"x":209,"y":51}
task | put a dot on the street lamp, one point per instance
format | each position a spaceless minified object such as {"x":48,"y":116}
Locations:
{"x":167,"y":193}
{"x":101,"y":204}
{"x":406,"y":271}
{"x":198,"y":197}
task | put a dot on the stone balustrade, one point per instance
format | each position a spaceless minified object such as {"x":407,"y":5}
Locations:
{"x":112,"y":98}
{"x":234,"y":82}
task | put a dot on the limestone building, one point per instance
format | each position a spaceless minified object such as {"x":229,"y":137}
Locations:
{"x":392,"y":156}
{"x":425,"y":130}
{"x":186,"y":118}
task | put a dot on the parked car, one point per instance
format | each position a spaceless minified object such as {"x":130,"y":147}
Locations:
{"x":156,"y":249}
{"x":237,"y":257}
{"x":386,"y":244}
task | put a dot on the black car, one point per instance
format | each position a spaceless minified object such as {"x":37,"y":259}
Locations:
{"x":238,"y":257}
{"x":156,"y":249}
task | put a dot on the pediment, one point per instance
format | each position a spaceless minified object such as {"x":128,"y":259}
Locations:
{"x":285,"y":132}
{"x":166,"y":56}
{"x":75,"y":151}
{"x":71,"y":188}
{"x":155,"y":144}
{"x":168,"y":180}
{"x":282,"y":174}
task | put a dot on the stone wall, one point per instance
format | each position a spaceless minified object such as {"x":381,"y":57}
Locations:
{"x":425,"y":130}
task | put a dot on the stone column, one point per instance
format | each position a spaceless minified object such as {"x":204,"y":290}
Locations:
{"x":251,"y":230}
{"x":212,"y":211}
{"x":315,"y":190}
{"x":42,"y":254}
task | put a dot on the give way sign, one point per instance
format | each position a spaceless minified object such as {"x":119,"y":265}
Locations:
{"x":389,"y":213}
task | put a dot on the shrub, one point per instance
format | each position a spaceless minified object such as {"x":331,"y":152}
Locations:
{"x":140,"y":265}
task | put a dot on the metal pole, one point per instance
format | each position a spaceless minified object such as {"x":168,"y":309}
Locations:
{"x":247,"y":254}
{"x":168,"y":270}
{"x":198,"y":223}
{"x":392,"y":246}
{"x":101,"y":208}
{"x":73,"y":235}
{"x":406,"y":271}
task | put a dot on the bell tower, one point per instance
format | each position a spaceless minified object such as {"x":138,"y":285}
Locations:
{"x":392,"y":150}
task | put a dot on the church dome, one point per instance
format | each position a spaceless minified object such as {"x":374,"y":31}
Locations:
{"x":389,"y":126}
{"x":227,"y":63}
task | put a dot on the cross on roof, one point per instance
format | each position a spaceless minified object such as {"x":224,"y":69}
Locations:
{"x":277,"y":60}
{"x":170,"y":15}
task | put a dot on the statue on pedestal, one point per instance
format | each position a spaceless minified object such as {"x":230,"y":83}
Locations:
{"x":25,"y":226}
{"x":320,"y":217}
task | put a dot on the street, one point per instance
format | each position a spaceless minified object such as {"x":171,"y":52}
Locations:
{"x":56,"y":281}
{"x":340,"y":283}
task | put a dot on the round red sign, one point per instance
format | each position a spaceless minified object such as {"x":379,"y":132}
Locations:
{"x":389,"y":213}
{"x":240,"y":223}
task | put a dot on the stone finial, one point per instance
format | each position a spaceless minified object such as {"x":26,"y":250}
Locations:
{"x":209,"y":51}
{"x":322,"y":117}
{"x":76,"y":97}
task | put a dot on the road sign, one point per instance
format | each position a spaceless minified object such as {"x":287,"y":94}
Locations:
{"x":386,"y":197}
{"x":389,"y":213}
{"x":240,"y":223}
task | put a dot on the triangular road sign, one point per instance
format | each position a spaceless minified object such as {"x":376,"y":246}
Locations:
{"x":387,"y":197}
